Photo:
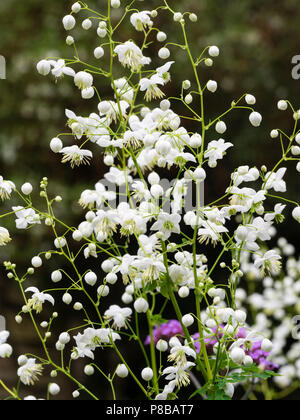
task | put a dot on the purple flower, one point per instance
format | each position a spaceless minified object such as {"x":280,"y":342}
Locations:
{"x":165,"y":331}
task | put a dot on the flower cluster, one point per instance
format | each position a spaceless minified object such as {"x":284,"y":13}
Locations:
{"x":152,"y":242}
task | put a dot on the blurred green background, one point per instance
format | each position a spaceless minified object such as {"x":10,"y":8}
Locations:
{"x":257,"y":40}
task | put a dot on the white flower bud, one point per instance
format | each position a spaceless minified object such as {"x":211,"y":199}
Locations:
{"x":161,"y":37}
{"x":99,"y":52}
{"x":141,"y":305}
{"x":240,"y":317}
{"x":267,"y":346}
{"x":67,"y":298}
{"x":177,"y":17}
{"x":147,"y":374}
{"x":78,"y":306}
{"x":248,"y":362}
{"x":115,"y":4}
{"x":189,"y":99}
{"x":122,"y":371}
{"x":229,"y":390}
{"x":83,"y":80}
{"x":193,"y":17}
{"x":221,"y":127}
{"x":184,"y":292}
{"x":200,"y":174}
{"x":274,"y":134}
{"x":255,"y":119}
{"x":250,"y":99}
{"x":70,"y":40}
{"x":76,"y":7}
{"x":91,"y":278}
{"x":162,"y":346}
{"x":111,"y":278}
{"x":36,"y":262}
{"x":214,"y":51}
{"x":296,"y":214}
{"x":69,"y":22}
{"x":127,"y":298}
{"x":76,"y":394}
{"x":186,"y":84}
{"x":212,"y":86}
{"x":56,"y":276}
{"x":297,"y":139}
{"x":27,"y":188}
{"x":157,"y":191}
{"x":164,"y":53}
{"x":87,"y":24}
{"x":196,"y":141}
{"x":64,"y":338}
{"x":60,"y":243}
{"x":188,"y":320}
{"x":282,"y":105}
{"x":103,"y":290}
{"x":153,"y":178}
{"x":22,"y":360}
{"x":56,"y":145}
{"x":237,"y":355}
{"x":88,"y":93}
{"x":77,"y":236}
{"x":89,"y":370}
{"x":43,"y":67}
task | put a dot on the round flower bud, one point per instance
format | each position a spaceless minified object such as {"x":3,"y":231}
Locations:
{"x":240,"y":317}
{"x":164,"y":53}
{"x":188,"y":320}
{"x":196,"y":141}
{"x":27,"y":188}
{"x":193,"y":17}
{"x":267,"y":346}
{"x":221,"y":127}
{"x":153,"y":178}
{"x":91,"y":278}
{"x":56,"y":145}
{"x":78,"y":306}
{"x":19,"y":319}
{"x":43,"y":67}
{"x":212,"y":86}
{"x":255,"y":119}
{"x":214,"y":51}
{"x":107,"y":266}
{"x":298,"y":167}
{"x":122,"y":371}
{"x":177,"y":17}
{"x":184,"y":292}
{"x":99,"y":52}
{"x":53,"y":374}
{"x":22,"y":360}
{"x":208,"y":62}
{"x":89,"y":370}
{"x":77,"y":235}
{"x":248,"y":362}
{"x":161,"y":37}
{"x":297,"y":139}
{"x":282,"y":105}
{"x":103,"y":290}
{"x":186,"y":84}
{"x":101,"y":32}
{"x":56,"y":276}
{"x":60,"y":243}
{"x":76,"y":394}
{"x":88,"y":93}
{"x":36,"y":262}
{"x":141,"y":305}
{"x":189,"y":99}
{"x":70,"y":40}
{"x":295,"y":150}
{"x":274,"y":134}
{"x":296,"y":214}
{"x":147,"y":374}
{"x":200,"y":174}
{"x":64,"y":338}
{"x":127,"y":298}
{"x":237,"y":355}
{"x":165,"y":105}
{"x":229,"y":390}
{"x":67,"y":298}
{"x":115,"y":4}
{"x":69,"y":22}
{"x":250,"y":99}
{"x":162,"y":346}
{"x":87,"y":24}
{"x":76,"y":7}
{"x":111,"y":278}
{"x":156,"y":191}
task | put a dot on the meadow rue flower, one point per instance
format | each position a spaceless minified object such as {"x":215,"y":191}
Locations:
{"x":141,"y":20}
{"x":270,"y":262}
{"x":216,"y":150}
{"x":118,"y":315}
{"x":151,"y":88}
{"x":76,"y":156}
{"x":130,"y":55}
{"x":38,"y":299}
{"x":4,"y":236}
{"x":25,"y":217}
{"x":29,"y":373}
{"x":6,"y":188}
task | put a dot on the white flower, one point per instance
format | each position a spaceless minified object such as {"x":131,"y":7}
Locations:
{"x":25,"y":217}
{"x":118,"y":315}
{"x":76,"y":156}
{"x":270,"y":262}
{"x":275,"y":180}
{"x":179,"y":374}
{"x":6,"y":188}
{"x":167,"y":224}
{"x":141,"y":20}
{"x":5,"y":349}
{"x":60,"y":69}
{"x":111,"y":110}
{"x":4,"y":236}
{"x":130,"y":55}
{"x":38,"y":299}
{"x":151,"y":88}
{"x":179,"y":354}
{"x":211,"y":231}
{"x":30,"y":372}
{"x":216,"y":150}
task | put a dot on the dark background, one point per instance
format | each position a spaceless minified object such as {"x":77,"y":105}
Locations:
{"x":257,"y":40}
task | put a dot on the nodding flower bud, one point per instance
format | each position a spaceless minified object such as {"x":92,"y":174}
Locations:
{"x":212,"y":86}
{"x":282,"y":105}
{"x":255,"y":119}
{"x":147,"y":374}
{"x":69,"y":22}
{"x":122,"y":371}
{"x":250,"y":99}
{"x":141,"y":305}
{"x":238,"y":355}
{"x":214,"y":51}
{"x":296,"y":214}
{"x":188,"y":320}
